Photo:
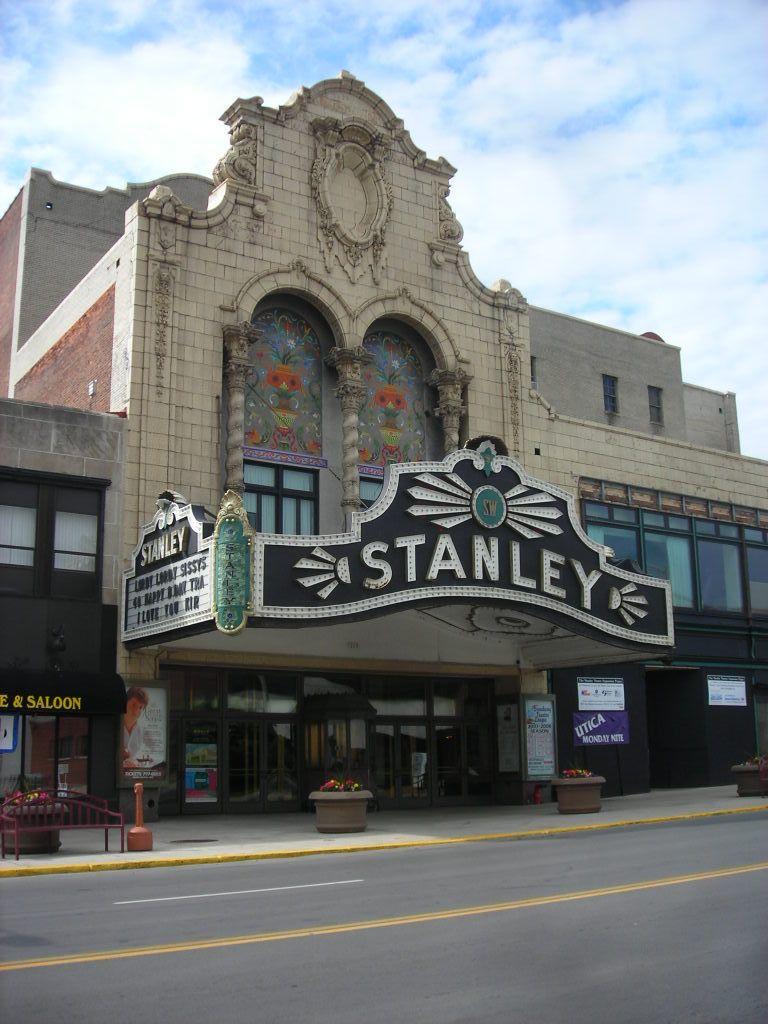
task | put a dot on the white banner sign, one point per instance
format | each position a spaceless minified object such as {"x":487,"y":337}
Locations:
{"x":727,"y":691}
{"x":597,"y":694}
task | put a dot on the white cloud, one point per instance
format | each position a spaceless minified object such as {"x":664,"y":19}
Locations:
{"x":612,"y":156}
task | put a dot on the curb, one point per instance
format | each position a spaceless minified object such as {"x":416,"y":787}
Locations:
{"x":314,"y":851}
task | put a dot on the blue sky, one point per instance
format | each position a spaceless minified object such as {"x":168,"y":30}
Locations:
{"x":612,"y":156}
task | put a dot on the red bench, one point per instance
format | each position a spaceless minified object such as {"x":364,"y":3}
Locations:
{"x":55,"y":811}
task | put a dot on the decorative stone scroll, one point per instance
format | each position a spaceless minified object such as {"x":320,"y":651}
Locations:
{"x":237,"y":338}
{"x":239,"y":163}
{"x":350,"y":391}
{"x":450,"y":229}
{"x":450,"y":385}
{"x":352,"y":197}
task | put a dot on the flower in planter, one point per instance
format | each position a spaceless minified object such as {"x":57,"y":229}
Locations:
{"x":576,"y":773}
{"x":340,"y":786}
{"x":21,"y":796}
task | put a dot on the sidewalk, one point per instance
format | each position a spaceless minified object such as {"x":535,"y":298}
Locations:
{"x":223,"y":838}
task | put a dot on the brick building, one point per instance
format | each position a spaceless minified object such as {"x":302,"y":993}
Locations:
{"x":293,"y":331}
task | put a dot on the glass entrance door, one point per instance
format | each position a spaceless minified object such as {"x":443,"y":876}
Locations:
{"x":261,"y":770}
{"x":401,"y":763}
{"x":201,"y":766}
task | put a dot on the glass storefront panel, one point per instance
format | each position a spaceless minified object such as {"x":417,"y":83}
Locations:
{"x":282,"y":775}
{"x":72,"y":761}
{"x":243,"y":747}
{"x":413,"y":762}
{"x":201,"y":763}
{"x":337,"y":747}
{"x":384,"y":759}
{"x":397,"y":696}
{"x":448,"y":760}
{"x":478,"y":760}
{"x":261,"y":693}
{"x":40,"y":751}
{"x":448,"y":698}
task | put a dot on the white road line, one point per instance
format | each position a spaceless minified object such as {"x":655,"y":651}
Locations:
{"x":238,"y":892}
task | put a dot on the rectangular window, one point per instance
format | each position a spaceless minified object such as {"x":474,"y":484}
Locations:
{"x":280,"y":499}
{"x":534,"y":374}
{"x":369,"y":491}
{"x":654,"y":404}
{"x":622,"y":539}
{"x":49,"y":539}
{"x":670,"y":558}
{"x":720,"y":576}
{"x":757,"y":562}
{"x":610,"y":393}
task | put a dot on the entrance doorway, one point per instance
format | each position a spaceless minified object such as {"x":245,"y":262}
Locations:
{"x":232,"y":766}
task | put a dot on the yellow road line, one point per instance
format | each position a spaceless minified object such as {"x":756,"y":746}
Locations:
{"x":385,"y":922}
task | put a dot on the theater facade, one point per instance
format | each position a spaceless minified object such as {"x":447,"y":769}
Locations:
{"x":381,"y":519}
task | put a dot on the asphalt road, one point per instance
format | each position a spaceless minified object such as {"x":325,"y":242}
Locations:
{"x":661,"y":923}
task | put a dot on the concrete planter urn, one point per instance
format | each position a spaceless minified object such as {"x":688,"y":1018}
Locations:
{"x":579,"y":794}
{"x":750,"y":780}
{"x":341,"y":811}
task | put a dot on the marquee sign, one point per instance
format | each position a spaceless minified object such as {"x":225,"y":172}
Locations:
{"x":473,"y":528}
{"x":168,"y":586}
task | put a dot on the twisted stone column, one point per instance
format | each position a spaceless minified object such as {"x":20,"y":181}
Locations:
{"x":351,"y":392}
{"x":236,"y":340}
{"x":450,"y":408}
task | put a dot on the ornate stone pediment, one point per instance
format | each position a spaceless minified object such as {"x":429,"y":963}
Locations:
{"x":352,"y":197}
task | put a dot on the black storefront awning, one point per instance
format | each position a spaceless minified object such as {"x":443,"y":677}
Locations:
{"x":61,"y":693}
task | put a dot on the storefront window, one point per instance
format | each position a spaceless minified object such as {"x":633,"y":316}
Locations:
{"x":203,"y":692}
{"x":720,"y":576}
{"x":40,"y":751}
{"x":669,"y":557}
{"x":397,"y":696}
{"x":448,"y":698}
{"x":261,"y":693}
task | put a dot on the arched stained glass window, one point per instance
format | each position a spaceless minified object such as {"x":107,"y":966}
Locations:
{"x":392,"y":419}
{"x":283,"y":394}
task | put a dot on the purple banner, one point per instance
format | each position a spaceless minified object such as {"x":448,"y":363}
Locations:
{"x":600,"y":728}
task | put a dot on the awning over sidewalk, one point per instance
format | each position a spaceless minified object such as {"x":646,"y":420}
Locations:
{"x":61,"y":693}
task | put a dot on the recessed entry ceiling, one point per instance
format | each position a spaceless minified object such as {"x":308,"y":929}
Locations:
{"x":479,"y":637}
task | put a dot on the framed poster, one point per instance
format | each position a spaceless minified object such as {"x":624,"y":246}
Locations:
{"x":539,"y":735}
{"x":144,"y":736}
{"x":727,"y":691}
{"x":508,"y":737}
{"x":600,"y":694}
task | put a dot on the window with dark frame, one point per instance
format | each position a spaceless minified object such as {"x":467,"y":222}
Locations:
{"x":370,"y":489}
{"x":654,"y":404}
{"x":50,"y":537}
{"x":712,"y":566}
{"x":610,"y":393}
{"x":281,"y":499}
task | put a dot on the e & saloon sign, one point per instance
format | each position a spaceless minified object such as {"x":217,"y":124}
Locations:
{"x":471,"y":528}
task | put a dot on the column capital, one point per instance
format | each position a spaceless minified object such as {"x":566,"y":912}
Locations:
{"x":237,"y":338}
{"x":348,"y":362}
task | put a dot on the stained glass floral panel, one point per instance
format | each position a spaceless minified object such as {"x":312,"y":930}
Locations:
{"x":392,"y":419}
{"x":283,"y":394}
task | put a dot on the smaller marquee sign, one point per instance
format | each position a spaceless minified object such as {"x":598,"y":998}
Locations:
{"x":168,"y":586}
